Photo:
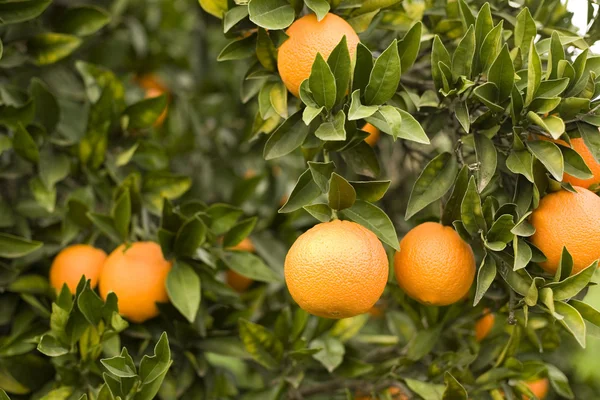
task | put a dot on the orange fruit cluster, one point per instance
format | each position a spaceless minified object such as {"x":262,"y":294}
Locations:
{"x":136,"y":274}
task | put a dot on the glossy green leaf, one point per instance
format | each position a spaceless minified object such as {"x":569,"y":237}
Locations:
{"x":472,"y":214}
{"x":287,"y":138}
{"x":374,"y":219}
{"x":341,"y":193}
{"x":487,"y":159}
{"x":433,"y":182}
{"x":321,"y":212}
{"x":462,"y":60}
{"x":14,"y":247}
{"x":385,"y":76}
{"x":502,"y":73}
{"x":359,"y":111}
{"x":333,"y":130}
{"x":264,"y":347}
{"x":534,"y":73}
{"x":341,"y":66}
{"x":331,"y":353}
{"x":322,"y":83}
{"x":271,"y":14}
{"x":15,"y":12}
{"x":370,"y":190}
{"x":183,"y":287}
{"x":485,"y":278}
{"x":48,"y":48}
{"x":409,"y":45}
{"x":572,"y":321}
{"x":84,"y":20}
{"x":550,"y":155}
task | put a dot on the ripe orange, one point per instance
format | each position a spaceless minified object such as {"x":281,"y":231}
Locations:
{"x":374,"y":134}
{"x":579,"y":146}
{"x":484,"y":325}
{"x":307,"y":37}
{"x":154,"y":87}
{"x":336,"y":269}
{"x":539,"y":388}
{"x":434,"y":265}
{"x":137,"y":275}
{"x":571,"y":220}
{"x":74,"y":262}
{"x":238,"y":282}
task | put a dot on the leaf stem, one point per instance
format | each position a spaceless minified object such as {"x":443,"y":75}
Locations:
{"x":326,"y":155}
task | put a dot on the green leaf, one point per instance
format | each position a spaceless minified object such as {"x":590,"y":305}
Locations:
{"x":190,"y":237}
{"x":266,"y":52}
{"x":362,"y":160}
{"x":320,"y":7}
{"x":90,"y":305}
{"x":24,"y":145}
{"x":233,"y":16}
{"x":363,"y":67}
{"x":251,"y":266}
{"x":421,"y":344}
{"x":3,"y":395}
{"x":321,"y":174}
{"x":214,"y":7}
{"x":500,"y":230}
{"x":525,"y":31}
{"x":591,"y":138}
{"x":552,"y":87}
{"x":238,"y":49}
{"x":153,"y":368}
{"x":388,"y":119}
{"x":485,"y":278}
{"x":183,"y":287}
{"x":426,"y":390}
{"x":462,"y":60}
{"x":565,"y":266}
{"x":483,"y":25}
{"x":239,"y":232}
{"x":502,"y":73}
{"x":472,"y":214}
{"x":261,"y":343}
{"x":14,"y":247}
{"x":361,"y":22}
{"x":144,"y":113}
{"x":370,"y":191}
{"x":121,"y":366}
{"x":51,"y":347}
{"x":331,"y":354}
{"x":374,"y":219}
{"x":305,"y":191}
{"x":271,"y":14}
{"x":556,"y":54}
{"x":385,"y":76}
{"x":523,"y":254}
{"x":411,"y":129}
{"x":572,"y":321}
{"x":48,"y":48}
{"x":84,"y":20}
{"x":21,"y":11}
{"x":466,"y":14}
{"x":491,"y":46}
{"x":341,"y":193}
{"x":359,"y":111}
{"x":534,"y":73}
{"x":310,"y":113}
{"x":452,"y":207}
{"x":341,"y":66}
{"x":588,"y":312}
{"x":551,"y":124}
{"x":321,"y":212}
{"x":550,"y":155}
{"x":461,"y":111}
{"x":439,"y":54}
{"x":287,"y":138}
{"x":454,"y":390}
{"x":487,"y":159}
{"x":53,"y":168}
{"x":574,"y":284}
{"x":434,"y":181}
{"x":409,"y":45}
{"x":574,"y":163}
{"x":47,"y":109}
{"x":543,"y":105}
{"x":322,"y":83}
{"x":333,"y":131}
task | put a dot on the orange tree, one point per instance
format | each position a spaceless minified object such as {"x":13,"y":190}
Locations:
{"x":197,"y":144}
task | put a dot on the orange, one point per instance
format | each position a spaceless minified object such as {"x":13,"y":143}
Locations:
{"x":484,"y":325}
{"x":336,"y":269}
{"x":373,"y":134}
{"x":239,"y":282}
{"x":571,"y":220}
{"x":579,"y":146}
{"x":154,"y":87}
{"x":74,"y":262}
{"x":307,"y":37}
{"x":434,"y":265}
{"x":539,"y":388}
{"x":137,"y":275}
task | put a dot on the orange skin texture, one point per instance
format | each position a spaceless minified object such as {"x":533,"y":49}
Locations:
{"x":579,"y":146}
{"x":336,"y":269}
{"x":565,"y":219}
{"x":484,"y":325}
{"x":373,"y":134}
{"x":76,"y":261}
{"x":238,"y":282}
{"x":154,"y":88}
{"x":539,"y":388}
{"x":307,"y":37}
{"x":434,"y":265}
{"x":137,"y":275}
